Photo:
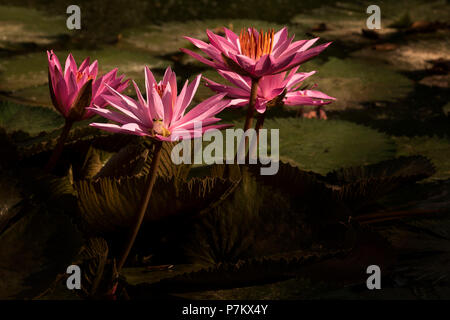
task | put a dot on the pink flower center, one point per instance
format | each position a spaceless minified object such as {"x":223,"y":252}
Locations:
{"x":256,"y":46}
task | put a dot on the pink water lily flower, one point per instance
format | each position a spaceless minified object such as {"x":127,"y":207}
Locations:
{"x":254,"y":54}
{"x":162,"y":114}
{"x":66,"y":85}
{"x":270,"y":87}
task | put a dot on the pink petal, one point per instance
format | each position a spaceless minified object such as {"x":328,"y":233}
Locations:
{"x":155,"y":104}
{"x":238,"y":80}
{"x":245,"y":62}
{"x":199,"y":57}
{"x":150,"y":83}
{"x":316,"y":94}
{"x":222,"y":43}
{"x":261,"y":105}
{"x":167,"y":76}
{"x":124,"y":104}
{"x":230,"y":91}
{"x":114,"y":116}
{"x":53,"y":60}
{"x":61,"y":96}
{"x":84,"y":65}
{"x":205,"y":109}
{"x":263,"y":65}
{"x":147,"y":117}
{"x":130,"y":128}
{"x":93,"y":69}
{"x":305,"y":56}
{"x":168,"y":106}
{"x":297,"y":78}
{"x":185,"y":97}
{"x":279,"y":38}
{"x":70,"y":67}
{"x":232,"y":37}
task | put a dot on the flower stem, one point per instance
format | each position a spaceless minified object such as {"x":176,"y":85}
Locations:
{"x":59,"y":146}
{"x":258,"y":126}
{"x":260,"y":123}
{"x":144,"y":204}
{"x":251,"y":105}
{"x":250,"y":111}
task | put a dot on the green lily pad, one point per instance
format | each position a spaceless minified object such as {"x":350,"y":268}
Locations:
{"x":446,"y":109}
{"x":10,"y":196}
{"x":33,"y":120}
{"x":435,"y":148}
{"x":322,"y":146}
{"x":20,"y":25}
{"x":168,"y":37}
{"x":34,"y":251}
{"x":353,"y":81}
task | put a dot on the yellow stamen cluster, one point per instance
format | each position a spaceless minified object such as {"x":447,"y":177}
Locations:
{"x":80,"y":76}
{"x":160,"y":89}
{"x":158,"y":128}
{"x":256,"y":46}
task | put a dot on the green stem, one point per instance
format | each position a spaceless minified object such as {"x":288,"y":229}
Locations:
{"x":258,"y":126}
{"x":251,"y":105}
{"x":144,"y":204}
{"x":250,"y":112}
{"x":260,"y":123}
{"x":59,"y":146}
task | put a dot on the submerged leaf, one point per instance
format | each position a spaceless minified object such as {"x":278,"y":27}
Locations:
{"x":414,"y":168}
{"x":98,"y":272}
{"x":265,"y":215}
{"x":34,"y":250}
{"x":361,"y":186}
{"x":231,"y":275}
{"x":136,"y":157}
{"x":108,"y":204}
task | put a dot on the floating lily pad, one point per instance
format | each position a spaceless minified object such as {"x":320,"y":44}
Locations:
{"x":353,"y":81}
{"x":322,"y":146}
{"x":136,"y":276}
{"x":33,"y":120}
{"x":34,"y":251}
{"x":168,"y":37}
{"x":348,"y":20}
{"x":446,"y":109}
{"x":319,"y":145}
{"x":413,"y":55}
{"x":27,"y":26}
{"x":9,"y":197}
{"x":436,"y":149}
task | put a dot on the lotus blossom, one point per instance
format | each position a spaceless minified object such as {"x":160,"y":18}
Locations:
{"x":68,"y":84}
{"x":162,"y":114}
{"x":254,"y":54}
{"x":284,"y":85}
